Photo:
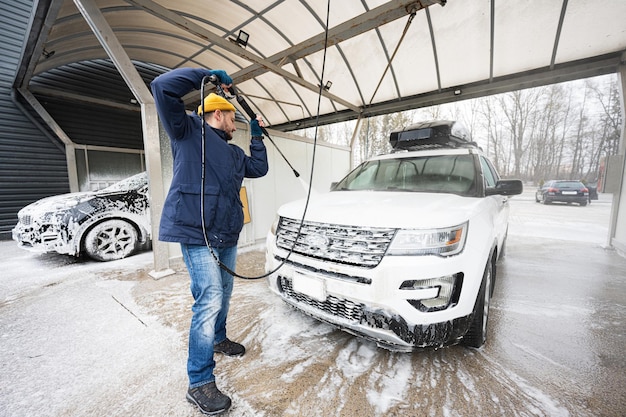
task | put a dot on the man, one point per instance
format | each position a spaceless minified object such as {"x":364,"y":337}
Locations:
{"x":225,"y":166}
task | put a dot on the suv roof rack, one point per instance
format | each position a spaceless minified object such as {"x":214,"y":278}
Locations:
{"x":430,"y":135}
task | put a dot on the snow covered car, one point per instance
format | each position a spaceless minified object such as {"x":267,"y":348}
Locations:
{"x":403,"y":250}
{"x":106,"y":225}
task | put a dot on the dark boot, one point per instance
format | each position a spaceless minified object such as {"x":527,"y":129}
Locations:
{"x":209,"y":399}
{"x":229,"y":348}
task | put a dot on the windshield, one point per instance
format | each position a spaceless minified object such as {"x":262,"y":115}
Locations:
{"x":433,"y":174}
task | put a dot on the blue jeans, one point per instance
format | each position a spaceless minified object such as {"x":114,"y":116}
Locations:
{"x":211,"y":288}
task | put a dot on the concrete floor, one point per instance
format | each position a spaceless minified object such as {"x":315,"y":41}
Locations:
{"x":81,"y":338}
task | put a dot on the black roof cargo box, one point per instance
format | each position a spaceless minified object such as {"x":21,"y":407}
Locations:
{"x":431,"y":134}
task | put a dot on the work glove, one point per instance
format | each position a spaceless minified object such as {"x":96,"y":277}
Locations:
{"x":222,"y":76}
{"x":255,"y":129}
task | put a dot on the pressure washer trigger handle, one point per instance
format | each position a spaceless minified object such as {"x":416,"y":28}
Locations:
{"x":218,"y":85}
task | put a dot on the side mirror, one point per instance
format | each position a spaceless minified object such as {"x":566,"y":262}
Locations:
{"x":506,"y":187}
{"x":333,"y":185}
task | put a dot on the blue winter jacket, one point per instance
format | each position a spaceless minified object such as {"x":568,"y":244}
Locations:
{"x":226,"y":166}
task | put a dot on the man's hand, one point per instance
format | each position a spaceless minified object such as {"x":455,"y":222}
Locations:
{"x":255,"y":127}
{"x":224,"y":78}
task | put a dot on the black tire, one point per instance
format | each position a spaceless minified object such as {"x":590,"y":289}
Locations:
{"x":477,"y":333}
{"x":111,"y":240}
{"x":583,"y":204}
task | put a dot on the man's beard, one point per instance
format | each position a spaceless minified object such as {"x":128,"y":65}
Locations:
{"x":228,"y":136}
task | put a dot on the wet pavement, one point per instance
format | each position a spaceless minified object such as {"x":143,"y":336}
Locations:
{"x":82,"y":338}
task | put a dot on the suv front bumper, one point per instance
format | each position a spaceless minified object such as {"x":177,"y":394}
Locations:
{"x":387,"y":330}
{"x":373,"y":303}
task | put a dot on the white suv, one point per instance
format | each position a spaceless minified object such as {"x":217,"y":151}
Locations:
{"x":403,"y":250}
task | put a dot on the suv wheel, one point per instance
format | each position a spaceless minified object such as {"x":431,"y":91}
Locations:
{"x":477,"y":333}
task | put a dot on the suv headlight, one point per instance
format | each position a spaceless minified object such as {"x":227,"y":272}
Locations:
{"x":443,"y":242}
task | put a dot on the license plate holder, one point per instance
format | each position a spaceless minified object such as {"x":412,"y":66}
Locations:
{"x":309,"y":285}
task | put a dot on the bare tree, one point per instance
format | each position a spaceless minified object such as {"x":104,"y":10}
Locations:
{"x":535,"y":134}
{"x":546,"y":148}
{"x":520,"y":111}
{"x":492,"y":125}
{"x":608,"y":124}
{"x":576,"y":143}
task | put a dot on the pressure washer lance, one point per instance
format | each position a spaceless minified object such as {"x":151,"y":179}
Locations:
{"x":244,"y":104}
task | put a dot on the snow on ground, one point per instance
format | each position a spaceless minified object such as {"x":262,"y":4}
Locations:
{"x":560,"y":221}
{"x":81,"y":338}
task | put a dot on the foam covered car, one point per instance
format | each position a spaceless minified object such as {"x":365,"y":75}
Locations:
{"x":106,"y":225}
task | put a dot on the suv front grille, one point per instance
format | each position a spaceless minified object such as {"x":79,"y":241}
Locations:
{"x":359,"y":246}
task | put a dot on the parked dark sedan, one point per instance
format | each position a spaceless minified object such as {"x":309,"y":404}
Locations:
{"x":106,"y":225}
{"x":564,"y":191}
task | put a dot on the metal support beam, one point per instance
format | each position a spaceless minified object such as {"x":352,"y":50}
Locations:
{"x":617,"y":222}
{"x":591,"y":67}
{"x":152,"y":146}
{"x":82,"y":99}
{"x":557,"y":36}
{"x":44,"y":17}
{"x":70,"y":146}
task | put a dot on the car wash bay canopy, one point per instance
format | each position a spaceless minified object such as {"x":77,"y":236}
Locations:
{"x":366,"y":57}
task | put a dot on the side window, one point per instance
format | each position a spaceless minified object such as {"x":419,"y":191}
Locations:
{"x":491,"y":176}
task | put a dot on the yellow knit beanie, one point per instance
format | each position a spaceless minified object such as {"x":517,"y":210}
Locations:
{"x":214,"y":102}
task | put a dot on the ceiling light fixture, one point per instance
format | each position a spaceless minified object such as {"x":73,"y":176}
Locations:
{"x":242,"y":39}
